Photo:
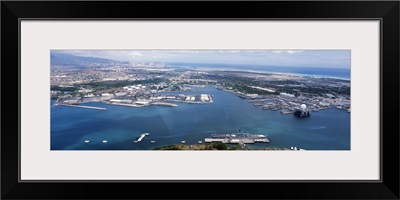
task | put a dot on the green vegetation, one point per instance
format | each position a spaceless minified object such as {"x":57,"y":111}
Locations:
{"x":104,"y":85}
{"x":249,"y":90}
{"x":63,"y":89}
{"x":210,"y":147}
{"x":218,"y":146}
{"x":73,"y":91}
{"x":322,"y":90}
{"x":110,"y":84}
{"x":169,"y":147}
{"x":295,"y":87}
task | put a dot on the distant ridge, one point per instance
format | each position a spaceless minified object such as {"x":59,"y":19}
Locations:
{"x":68,"y":59}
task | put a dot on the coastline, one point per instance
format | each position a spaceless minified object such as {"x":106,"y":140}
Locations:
{"x":284,"y":74}
{"x":172,"y":65}
{"x":212,"y":147}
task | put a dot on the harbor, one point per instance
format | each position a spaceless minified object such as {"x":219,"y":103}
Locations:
{"x":121,"y":125}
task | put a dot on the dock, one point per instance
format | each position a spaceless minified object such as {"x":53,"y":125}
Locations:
{"x":125,"y":104}
{"x":79,"y":106}
{"x":237,"y":138}
{"x":285,"y":112}
{"x":164,"y":104}
{"x":141,"y":137}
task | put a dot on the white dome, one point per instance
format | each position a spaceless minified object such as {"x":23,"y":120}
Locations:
{"x":303,"y":106}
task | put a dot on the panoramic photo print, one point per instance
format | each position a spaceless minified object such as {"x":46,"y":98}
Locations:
{"x":288,"y":100}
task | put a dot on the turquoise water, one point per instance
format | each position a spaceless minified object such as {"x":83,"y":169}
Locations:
{"x":120,"y":126}
{"x":341,"y":73}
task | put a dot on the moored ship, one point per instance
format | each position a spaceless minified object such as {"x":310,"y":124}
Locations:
{"x":237,"y":138}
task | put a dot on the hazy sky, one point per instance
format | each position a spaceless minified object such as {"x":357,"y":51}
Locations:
{"x":303,"y":58}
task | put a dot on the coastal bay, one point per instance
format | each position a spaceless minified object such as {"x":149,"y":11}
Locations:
{"x":325,"y":130}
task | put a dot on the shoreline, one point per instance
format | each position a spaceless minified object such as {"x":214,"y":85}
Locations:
{"x":270,"y":72}
{"x":213,"y":147}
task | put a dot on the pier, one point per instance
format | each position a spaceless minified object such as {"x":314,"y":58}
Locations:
{"x":164,"y":104}
{"x":285,"y":112}
{"x":141,"y":137}
{"x":238,"y":138}
{"x":125,"y":104}
{"x":79,"y":106}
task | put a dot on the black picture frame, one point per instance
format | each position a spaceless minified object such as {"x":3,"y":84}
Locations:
{"x":386,"y":11}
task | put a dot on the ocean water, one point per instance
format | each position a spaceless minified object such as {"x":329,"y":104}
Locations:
{"x":340,"y":73}
{"x":120,"y":125}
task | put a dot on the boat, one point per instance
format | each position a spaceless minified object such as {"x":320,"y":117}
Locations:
{"x":87,"y":141}
{"x":104,"y":141}
{"x":183,"y":142}
{"x":200,"y":142}
{"x":152,"y":141}
{"x":302,"y":112}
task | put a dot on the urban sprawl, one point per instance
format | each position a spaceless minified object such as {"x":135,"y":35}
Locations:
{"x":144,"y":83}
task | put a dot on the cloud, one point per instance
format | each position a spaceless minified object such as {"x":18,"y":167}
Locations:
{"x":231,"y":51}
{"x":158,"y":56}
{"x":291,"y":51}
{"x":286,"y":51}
{"x":265,"y":57}
{"x":135,"y":54}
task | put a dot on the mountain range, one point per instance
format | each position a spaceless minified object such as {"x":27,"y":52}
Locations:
{"x":68,"y":59}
